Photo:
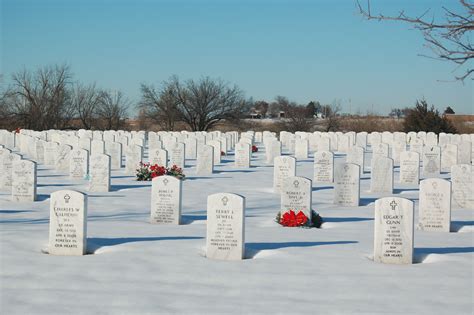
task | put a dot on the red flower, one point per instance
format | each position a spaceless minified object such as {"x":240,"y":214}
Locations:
{"x":301,"y":218}
{"x":291,"y":219}
{"x":254,"y":148}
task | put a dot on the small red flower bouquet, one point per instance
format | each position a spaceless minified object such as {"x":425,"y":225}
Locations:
{"x":254,"y":149}
{"x":222,"y":153}
{"x":292,"y":219}
{"x":147,"y":171}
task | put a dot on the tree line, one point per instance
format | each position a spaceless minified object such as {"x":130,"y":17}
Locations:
{"x":48,"y":98}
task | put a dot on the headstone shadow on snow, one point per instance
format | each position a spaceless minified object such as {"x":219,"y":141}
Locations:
{"x":252,"y":250}
{"x":430,"y":254}
{"x":14,"y":211}
{"x":190,"y":219}
{"x":405,"y":190}
{"x":366,"y":201}
{"x":123,"y":187}
{"x":96,"y":243}
{"x":317,"y":188}
{"x":462,"y":226}
{"x":345,"y":219}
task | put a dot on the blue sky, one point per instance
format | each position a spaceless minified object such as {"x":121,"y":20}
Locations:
{"x":305,"y":50}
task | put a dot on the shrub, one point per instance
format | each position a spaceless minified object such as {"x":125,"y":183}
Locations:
{"x":421,"y":118}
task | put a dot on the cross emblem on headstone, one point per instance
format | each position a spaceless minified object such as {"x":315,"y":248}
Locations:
{"x":346,"y":167}
{"x":435,"y":185}
{"x":225,"y":200}
{"x":165,"y":181}
{"x":296,"y":183}
{"x":393,"y":204}
{"x":23,"y":165}
{"x":66,"y":198}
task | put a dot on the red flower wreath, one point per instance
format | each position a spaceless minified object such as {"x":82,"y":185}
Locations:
{"x":291,"y":219}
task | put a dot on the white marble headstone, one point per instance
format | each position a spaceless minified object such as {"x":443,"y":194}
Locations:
{"x":409,"y":168}
{"x":283,"y":167}
{"x":166,"y":200}
{"x":393,"y":231}
{"x":324,"y":167}
{"x":381,"y":180}
{"x":99,"y":172}
{"x":435,"y":205}
{"x":68,"y":223}
{"x":243,"y":153}
{"x":462,"y":179}
{"x":296,"y":195}
{"x":225,"y":227}
{"x":23,"y":181}
{"x":78,"y":163}
{"x":347,"y":185}
{"x":205,"y":160}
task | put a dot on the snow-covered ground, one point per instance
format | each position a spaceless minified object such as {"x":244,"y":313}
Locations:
{"x":139,"y":268}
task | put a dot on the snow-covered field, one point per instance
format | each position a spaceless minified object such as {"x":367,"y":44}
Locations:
{"x":139,"y":268}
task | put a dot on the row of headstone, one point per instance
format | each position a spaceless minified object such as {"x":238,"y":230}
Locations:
{"x":225,"y":223}
{"x":394,"y":220}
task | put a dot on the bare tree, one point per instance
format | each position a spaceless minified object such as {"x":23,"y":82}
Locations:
{"x":85,"y":100}
{"x":297,"y":119}
{"x":112,"y":110}
{"x":160,"y":106}
{"x":448,"y":39}
{"x":204,"y":103}
{"x":332,"y":118}
{"x":41,"y":100}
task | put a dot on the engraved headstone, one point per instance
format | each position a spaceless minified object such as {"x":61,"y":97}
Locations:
{"x":393,"y":231}
{"x":99,"y":173}
{"x":63,"y":154}
{"x":205,"y":160}
{"x":7,"y":167}
{"x":381,"y":180}
{"x":23,"y":181}
{"x":243,"y":153}
{"x":166,"y":200}
{"x":283,"y":167}
{"x":68,"y":223}
{"x":380,"y":149}
{"x":462,"y":179}
{"x":296,"y":195}
{"x":435,"y":205}
{"x":78,"y":163}
{"x":449,"y":156}
{"x":431,"y":161}
{"x":225,"y":227}
{"x":158,"y":156}
{"x":324,"y":167}
{"x":347,"y":185}
{"x":177,"y":154}
{"x":409,"y":168}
